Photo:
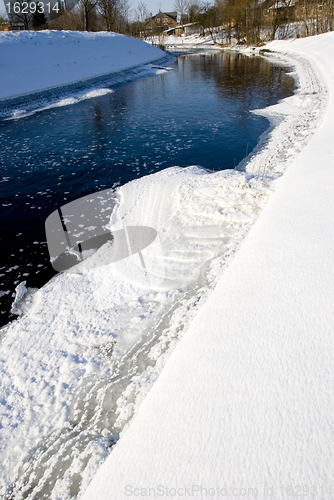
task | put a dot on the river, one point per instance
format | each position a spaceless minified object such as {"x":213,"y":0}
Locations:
{"x":196,"y":113}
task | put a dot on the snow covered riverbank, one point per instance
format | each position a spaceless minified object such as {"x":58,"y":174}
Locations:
{"x":78,"y":364}
{"x":31,"y":61}
{"x":243,"y":407}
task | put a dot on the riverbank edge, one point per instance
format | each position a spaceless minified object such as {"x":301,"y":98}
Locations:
{"x":111,"y":78}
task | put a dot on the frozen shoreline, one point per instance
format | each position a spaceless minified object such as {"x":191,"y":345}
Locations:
{"x":61,"y":342}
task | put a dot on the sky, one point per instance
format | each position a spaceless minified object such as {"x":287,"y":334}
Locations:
{"x":2,"y":7}
{"x":152,"y":6}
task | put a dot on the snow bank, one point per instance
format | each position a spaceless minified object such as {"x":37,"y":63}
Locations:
{"x":92,"y":341}
{"x":243,"y":407}
{"x":31,"y":61}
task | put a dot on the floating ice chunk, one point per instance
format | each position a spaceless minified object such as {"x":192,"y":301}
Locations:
{"x":23,"y":299}
{"x":20,"y":292}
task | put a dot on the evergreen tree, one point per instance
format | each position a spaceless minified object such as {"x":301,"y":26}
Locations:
{"x":38,"y":18}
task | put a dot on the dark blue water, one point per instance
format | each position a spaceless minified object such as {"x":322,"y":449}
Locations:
{"x":196,"y":114}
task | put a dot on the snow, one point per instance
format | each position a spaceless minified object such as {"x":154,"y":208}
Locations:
{"x":243,"y":406}
{"x":45,"y":59}
{"x":215,"y":364}
{"x":187,"y":42}
{"x":26,"y":110}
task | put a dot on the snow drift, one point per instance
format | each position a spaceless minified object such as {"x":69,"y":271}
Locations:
{"x":31,"y":61}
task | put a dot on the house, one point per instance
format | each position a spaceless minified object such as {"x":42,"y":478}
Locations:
{"x":17,"y":26}
{"x":161,"y":22}
{"x":281,"y":8}
{"x":4,"y":27}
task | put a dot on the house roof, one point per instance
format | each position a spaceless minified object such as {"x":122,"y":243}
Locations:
{"x":163,"y":14}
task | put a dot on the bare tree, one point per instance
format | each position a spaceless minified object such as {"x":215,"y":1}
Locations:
{"x":69,"y":20}
{"x":17,"y":13}
{"x":3,"y":19}
{"x":181,"y":7}
{"x":88,"y":9}
{"x":115,"y":14}
{"x":108,"y":9}
{"x":141,"y":14}
{"x":195,"y":9}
